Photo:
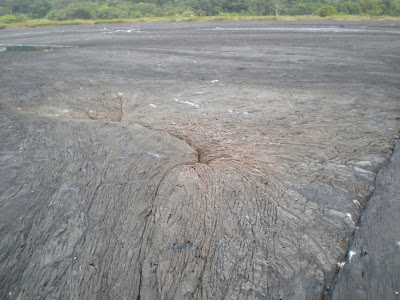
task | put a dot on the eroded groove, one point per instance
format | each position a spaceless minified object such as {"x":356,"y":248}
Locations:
{"x":366,"y":246}
{"x":115,"y":114}
{"x":201,"y":152}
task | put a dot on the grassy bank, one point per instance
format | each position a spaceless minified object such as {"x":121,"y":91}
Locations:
{"x":45,"y":22}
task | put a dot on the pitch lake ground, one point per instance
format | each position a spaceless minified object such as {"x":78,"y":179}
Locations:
{"x":251,"y":160}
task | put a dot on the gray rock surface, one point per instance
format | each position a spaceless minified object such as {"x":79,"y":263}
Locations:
{"x":191,"y":161}
{"x":372,"y":267}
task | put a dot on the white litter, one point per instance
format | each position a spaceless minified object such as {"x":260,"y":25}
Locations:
{"x":120,"y":30}
{"x":363,"y":171}
{"x":349,"y":216}
{"x":156,"y":154}
{"x":364,"y":163}
{"x":196,"y":106}
{"x":356,"y":202}
{"x":153,"y":105}
{"x":351,"y":254}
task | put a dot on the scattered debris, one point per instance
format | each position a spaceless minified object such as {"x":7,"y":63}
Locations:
{"x":341,"y":264}
{"x":196,"y":106}
{"x":363,"y":171}
{"x":357,"y":203}
{"x":156,"y":154}
{"x":349,"y":216}
{"x":364,"y":163}
{"x":351,"y":254}
{"x":238,"y":112}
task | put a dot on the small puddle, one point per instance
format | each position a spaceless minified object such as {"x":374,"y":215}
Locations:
{"x":22,"y":48}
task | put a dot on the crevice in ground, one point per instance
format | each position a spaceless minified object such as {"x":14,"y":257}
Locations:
{"x":203,"y":154}
{"x":205,"y":157}
{"x":115,"y":114}
{"x":329,"y":285}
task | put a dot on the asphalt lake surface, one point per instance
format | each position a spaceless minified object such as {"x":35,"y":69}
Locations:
{"x":252,"y":160}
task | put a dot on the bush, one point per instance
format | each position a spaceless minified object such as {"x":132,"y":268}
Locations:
{"x":4,"y":11}
{"x":54,"y":15}
{"x":188,"y":14}
{"x":74,"y":11}
{"x":201,"y":13}
{"x":327,"y":11}
{"x":352,"y":8}
{"x":372,"y":7}
{"x":40,"y":9}
{"x":126,"y":10}
{"x":341,"y":8}
{"x":300,"y":9}
{"x":79,"y":13}
{"x":10,"y":18}
{"x":105,"y":12}
{"x":148,"y":9}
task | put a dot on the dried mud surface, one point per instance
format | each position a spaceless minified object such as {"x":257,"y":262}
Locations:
{"x":200,"y":161}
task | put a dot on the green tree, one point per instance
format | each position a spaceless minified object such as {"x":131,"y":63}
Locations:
{"x":352,"y":8}
{"x":10,"y":18}
{"x":327,"y":11}
{"x":78,"y":11}
{"x":40,"y":9}
{"x":301,"y":9}
{"x":106,"y":12}
{"x":372,"y":7}
{"x":4,"y":11}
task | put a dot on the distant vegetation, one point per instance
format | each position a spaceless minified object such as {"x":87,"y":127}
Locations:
{"x":19,"y":11}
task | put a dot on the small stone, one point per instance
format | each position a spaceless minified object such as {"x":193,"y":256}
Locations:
{"x":396,"y":293}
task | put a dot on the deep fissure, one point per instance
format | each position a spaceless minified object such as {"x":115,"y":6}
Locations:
{"x":331,"y":284}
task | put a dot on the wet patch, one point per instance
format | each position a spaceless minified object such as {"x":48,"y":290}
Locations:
{"x":123,"y":30}
{"x":332,"y":29}
{"x":23,"y":48}
{"x":156,"y":154}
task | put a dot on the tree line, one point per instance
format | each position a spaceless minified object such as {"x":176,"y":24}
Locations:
{"x":21,"y":10}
